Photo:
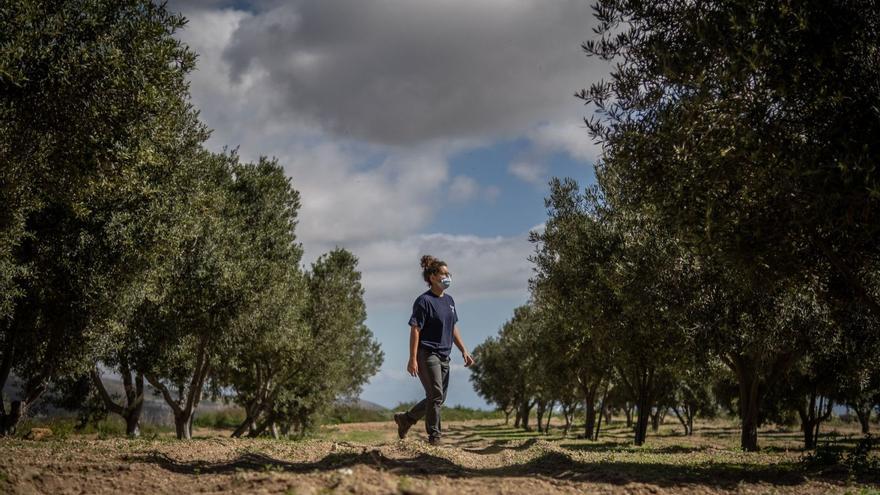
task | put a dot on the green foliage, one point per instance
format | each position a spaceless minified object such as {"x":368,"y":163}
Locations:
{"x":462,"y":413}
{"x":64,"y":427}
{"x":90,"y":93}
{"x":456,"y":412}
{"x":492,"y":375}
{"x":610,"y":284}
{"x":186,"y":322}
{"x":734,"y":189}
{"x":861,"y":459}
{"x":341,"y":354}
{"x":747,"y":127}
{"x":95,"y":120}
{"x":222,"y":419}
{"x":341,"y":413}
{"x":730,"y":225}
{"x":270,"y":334}
{"x":124,"y":242}
{"x":864,"y":491}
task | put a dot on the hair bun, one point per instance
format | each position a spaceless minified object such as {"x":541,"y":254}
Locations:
{"x":427,"y":260}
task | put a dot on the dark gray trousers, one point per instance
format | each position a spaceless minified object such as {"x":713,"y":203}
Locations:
{"x":434,"y":374}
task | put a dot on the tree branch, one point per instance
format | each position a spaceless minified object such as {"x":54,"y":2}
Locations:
{"x":125,"y":371}
{"x":105,"y":396}
{"x":203,"y":375}
{"x":680,"y":418}
{"x":195,"y":382}
{"x":5,"y":368}
{"x":165,"y":393}
{"x":828,"y":410}
{"x":139,"y":388}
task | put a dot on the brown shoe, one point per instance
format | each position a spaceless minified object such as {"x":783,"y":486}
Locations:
{"x":403,"y":424}
{"x":435,"y":441}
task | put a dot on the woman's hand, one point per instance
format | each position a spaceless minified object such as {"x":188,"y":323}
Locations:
{"x":468,"y":359}
{"x":413,"y":367}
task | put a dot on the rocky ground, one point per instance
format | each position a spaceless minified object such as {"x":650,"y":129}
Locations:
{"x":477,"y":457}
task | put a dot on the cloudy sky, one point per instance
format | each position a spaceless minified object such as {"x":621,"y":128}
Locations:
{"x":409,"y":127}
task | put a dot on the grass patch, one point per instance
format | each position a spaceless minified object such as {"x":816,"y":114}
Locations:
{"x":64,"y":427}
{"x":357,"y":436}
{"x":457,"y":412}
{"x":221,"y":419}
{"x":61,"y":427}
{"x":353,"y":414}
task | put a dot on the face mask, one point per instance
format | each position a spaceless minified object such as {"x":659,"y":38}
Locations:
{"x":446,"y":281}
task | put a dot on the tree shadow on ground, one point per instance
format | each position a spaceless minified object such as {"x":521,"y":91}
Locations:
{"x":513,"y":435}
{"x":594,"y":446}
{"x":498,"y":446}
{"x":253,"y":461}
{"x":501,"y":426}
{"x":549,"y":464}
{"x":678,"y":449}
{"x":611,"y":446}
{"x":718,"y":432}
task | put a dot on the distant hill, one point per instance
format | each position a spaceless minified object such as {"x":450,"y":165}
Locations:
{"x":362,"y":404}
{"x":156,"y":411}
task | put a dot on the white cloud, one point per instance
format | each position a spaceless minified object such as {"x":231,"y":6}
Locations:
{"x":343,"y":200}
{"x":571,"y":138}
{"x":235,"y":110}
{"x":402,"y":72}
{"x":531,"y":172}
{"x":256,"y":66}
{"x":342,"y":203}
{"x":463,"y":189}
{"x":482,"y":267}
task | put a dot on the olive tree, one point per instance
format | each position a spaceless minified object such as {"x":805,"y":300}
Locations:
{"x":186,"y":324}
{"x":271,"y":332}
{"x":616,"y":277}
{"x":746,"y":129}
{"x":93,"y":115}
{"x":341,"y":353}
{"x":492,"y":376}
{"x":565,"y":260}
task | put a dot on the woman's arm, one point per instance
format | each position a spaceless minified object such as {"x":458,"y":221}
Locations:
{"x":413,"y":366}
{"x":456,"y":338}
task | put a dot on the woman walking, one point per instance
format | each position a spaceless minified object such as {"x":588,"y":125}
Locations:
{"x":433,"y":330}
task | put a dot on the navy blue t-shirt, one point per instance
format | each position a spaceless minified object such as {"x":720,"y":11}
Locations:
{"x":435,"y":317}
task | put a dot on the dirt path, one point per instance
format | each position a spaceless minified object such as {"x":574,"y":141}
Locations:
{"x":478,"y":457}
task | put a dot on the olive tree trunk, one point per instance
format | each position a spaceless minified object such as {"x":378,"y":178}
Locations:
{"x":185,"y":406}
{"x":134,"y":397}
